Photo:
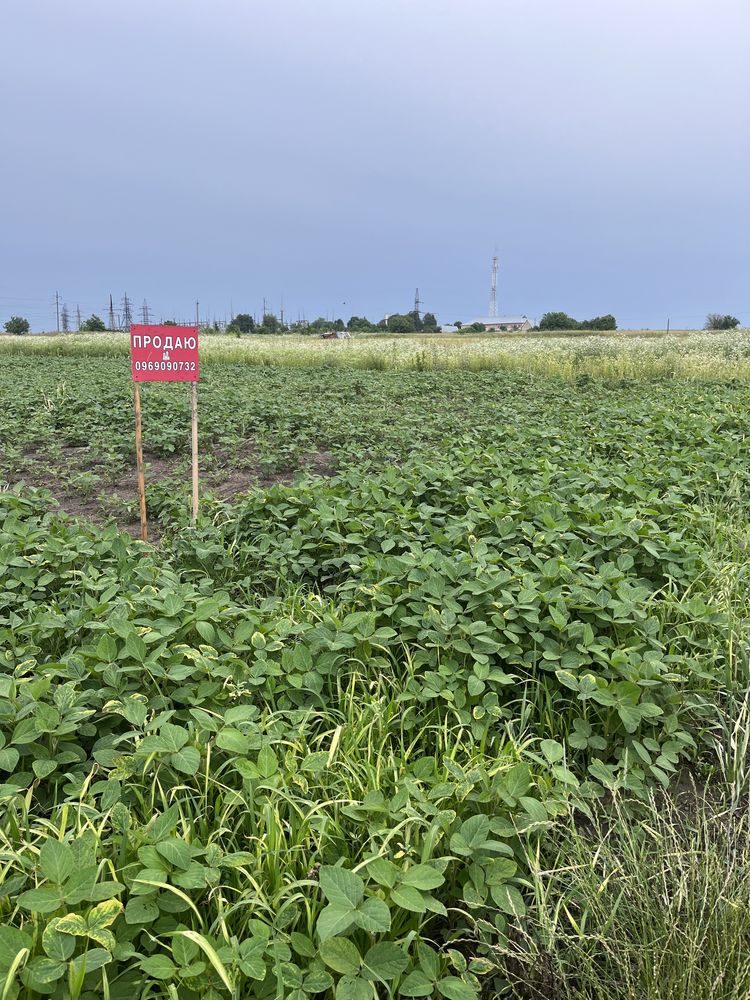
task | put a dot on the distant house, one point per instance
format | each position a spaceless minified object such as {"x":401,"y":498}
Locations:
{"x":507,"y":324}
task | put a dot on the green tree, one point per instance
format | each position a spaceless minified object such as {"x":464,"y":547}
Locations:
{"x":429,"y":321}
{"x":400,"y":323}
{"x":717,"y":321}
{"x":241,"y":323}
{"x":271,"y":324}
{"x":17,"y":325}
{"x":416,"y":320}
{"x":557,"y":321}
{"x":360,"y":324}
{"x":478,"y":327}
{"x":458,"y":324}
{"x":93,"y":324}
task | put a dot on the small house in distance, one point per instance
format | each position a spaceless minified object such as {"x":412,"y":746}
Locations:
{"x":502,"y":324}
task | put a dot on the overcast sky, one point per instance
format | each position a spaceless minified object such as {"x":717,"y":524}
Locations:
{"x":336,"y":154}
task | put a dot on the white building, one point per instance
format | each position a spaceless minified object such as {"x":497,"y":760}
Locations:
{"x":506,"y":324}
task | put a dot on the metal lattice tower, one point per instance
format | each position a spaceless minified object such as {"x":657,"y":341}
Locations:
{"x":127,"y":314}
{"x":145,"y":313}
{"x":417,"y":303}
{"x":493,"y":289}
{"x":111,"y":314}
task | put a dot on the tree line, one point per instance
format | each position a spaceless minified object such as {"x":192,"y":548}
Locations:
{"x":411,"y":322}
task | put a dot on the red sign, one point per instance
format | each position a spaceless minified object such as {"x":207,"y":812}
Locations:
{"x":164,"y":353}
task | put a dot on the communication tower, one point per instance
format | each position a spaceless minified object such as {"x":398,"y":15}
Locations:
{"x":493,"y":289}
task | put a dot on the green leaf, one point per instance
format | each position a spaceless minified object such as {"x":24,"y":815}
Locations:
{"x":55,"y":860}
{"x":186,"y":761}
{"x":43,"y":767}
{"x":303,"y":945}
{"x":341,"y":886}
{"x":416,"y":984}
{"x":517,"y":780}
{"x":384,"y":961}
{"x":8,"y":759}
{"x":42,"y":971}
{"x":353,"y":988}
{"x":334,"y":919}
{"x":552,"y":750}
{"x":408,"y":898}
{"x":340,"y":955}
{"x":423,"y":877}
{"x":141,"y":910}
{"x":47,"y":718}
{"x":454,"y":988}
{"x":159,"y":967}
{"x":373,"y":916}
{"x":233,"y":741}
{"x":94,"y":959}
{"x":508,"y":899}
{"x":44,"y":900}
{"x":176,"y":852}
{"x":383,"y":871}
{"x":12,"y":941}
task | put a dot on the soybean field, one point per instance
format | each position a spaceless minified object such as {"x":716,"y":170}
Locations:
{"x":445,"y":696}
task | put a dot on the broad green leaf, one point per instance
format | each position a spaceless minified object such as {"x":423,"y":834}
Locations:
{"x":373,"y":916}
{"x":8,"y":759}
{"x":416,"y":984}
{"x":454,"y":988}
{"x":353,"y":988}
{"x":176,"y":852}
{"x":158,"y":967}
{"x":383,"y":871}
{"x":12,"y":941}
{"x":384,"y":961}
{"x":41,"y":972}
{"x":340,"y":955}
{"x":341,"y":886}
{"x":187,"y":761}
{"x":334,"y":919}
{"x":408,"y":898}
{"x":141,"y":910}
{"x":423,"y":877}
{"x":508,"y":899}
{"x":44,"y":900}
{"x":56,"y":860}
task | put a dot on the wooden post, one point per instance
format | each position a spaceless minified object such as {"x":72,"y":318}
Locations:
{"x":139,"y":462}
{"x":194,"y":421}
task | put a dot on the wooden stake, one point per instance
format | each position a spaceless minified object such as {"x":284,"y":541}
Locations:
{"x":194,"y":416}
{"x":139,"y":462}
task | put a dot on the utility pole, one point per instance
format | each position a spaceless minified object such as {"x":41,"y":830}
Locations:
{"x":145,"y":314}
{"x":57,"y":310}
{"x":417,"y":303}
{"x":78,"y":317}
{"x":111,"y":314}
{"x":197,"y":315}
{"x":493,"y":289}
{"x":65,"y":318}
{"x":127,"y":317}
{"x":264,"y":308}
{"x":667,"y":324}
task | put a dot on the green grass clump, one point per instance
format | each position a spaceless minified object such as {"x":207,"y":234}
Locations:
{"x":643,"y":903}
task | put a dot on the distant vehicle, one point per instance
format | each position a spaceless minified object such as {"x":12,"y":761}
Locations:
{"x":336,"y":335}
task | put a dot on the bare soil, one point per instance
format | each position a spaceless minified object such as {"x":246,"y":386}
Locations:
{"x":114,"y":494}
